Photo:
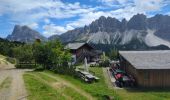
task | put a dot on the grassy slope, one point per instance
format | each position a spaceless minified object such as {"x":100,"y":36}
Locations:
{"x":40,"y":91}
{"x":98,"y":89}
{"x":33,"y":83}
{"x":2,"y":59}
{"x":63,"y":89}
{"x":1,"y":56}
{"x":6,"y":60}
{"x":145,"y":94}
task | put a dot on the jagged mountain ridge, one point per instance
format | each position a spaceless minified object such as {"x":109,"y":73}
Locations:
{"x":25,"y":34}
{"x":152,"y":31}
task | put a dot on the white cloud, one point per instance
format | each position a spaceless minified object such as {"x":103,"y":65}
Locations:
{"x":122,"y":1}
{"x":168,"y":13}
{"x":31,"y":12}
{"x":127,"y":9}
{"x":53,"y":29}
{"x":69,"y":27}
{"x":33,"y":25}
{"x":36,"y":10}
{"x":113,"y":3}
{"x":148,"y":5}
{"x":107,"y":1}
{"x":47,"y":21}
{"x":138,"y":6}
{"x":126,"y":12}
{"x":88,"y":18}
{"x":84,"y":20}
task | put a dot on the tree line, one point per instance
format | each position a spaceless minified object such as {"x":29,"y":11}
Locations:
{"x":6,"y":47}
{"x":49,"y":55}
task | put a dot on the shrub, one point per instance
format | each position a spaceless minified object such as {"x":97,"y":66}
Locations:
{"x":25,"y":66}
{"x":39,"y":68}
{"x":105,"y":63}
{"x":67,"y":70}
{"x":11,"y":60}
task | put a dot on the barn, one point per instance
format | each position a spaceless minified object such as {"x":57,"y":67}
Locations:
{"x":81,"y":50}
{"x":150,"y":68}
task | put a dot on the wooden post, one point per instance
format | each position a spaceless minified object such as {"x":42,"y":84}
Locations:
{"x":85,"y":64}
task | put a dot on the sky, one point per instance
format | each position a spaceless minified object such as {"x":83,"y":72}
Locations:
{"x":51,"y":17}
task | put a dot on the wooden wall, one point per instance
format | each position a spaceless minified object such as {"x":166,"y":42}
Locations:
{"x":130,"y":69}
{"x":154,"y":78}
{"x":148,"y":77}
{"x":82,"y":49}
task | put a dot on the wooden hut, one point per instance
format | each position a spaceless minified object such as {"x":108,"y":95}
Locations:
{"x":150,"y":68}
{"x":81,"y":50}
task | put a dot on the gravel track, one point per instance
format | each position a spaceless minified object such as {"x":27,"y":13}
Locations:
{"x":16,"y":90}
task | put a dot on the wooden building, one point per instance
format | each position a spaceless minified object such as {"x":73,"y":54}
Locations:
{"x":81,"y":50}
{"x":150,"y":68}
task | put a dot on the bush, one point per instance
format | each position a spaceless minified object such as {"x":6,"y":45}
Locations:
{"x":67,"y":70}
{"x":25,"y":66}
{"x":39,"y":68}
{"x":11,"y":60}
{"x":105,"y":63}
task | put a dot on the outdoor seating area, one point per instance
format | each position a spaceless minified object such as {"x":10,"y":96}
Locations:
{"x":86,"y":76}
{"x":122,"y":78}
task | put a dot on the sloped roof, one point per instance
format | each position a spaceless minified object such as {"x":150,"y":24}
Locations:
{"x":74,"y":46}
{"x":148,"y":59}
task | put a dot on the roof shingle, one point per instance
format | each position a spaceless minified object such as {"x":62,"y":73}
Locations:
{"x":74,"y":46}
{"x":148,"y":59}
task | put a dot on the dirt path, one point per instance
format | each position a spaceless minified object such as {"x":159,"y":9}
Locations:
{"x":16,"y":89}
{"x":107,"y":78}
{"x":82,"y":92}
{"x":4,"y":88}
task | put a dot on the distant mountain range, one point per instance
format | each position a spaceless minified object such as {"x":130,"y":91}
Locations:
{"x":25,"y":34}
{"x":139,"y":32}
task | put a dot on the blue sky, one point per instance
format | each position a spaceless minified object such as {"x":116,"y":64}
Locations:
{"x":51,"y":17}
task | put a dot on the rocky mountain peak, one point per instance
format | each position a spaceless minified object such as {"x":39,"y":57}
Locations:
{"x":24,"y":34}
{"x":138,"y":22}
{"x":123,"y":25}
{"x":102,"y":18}
{"x":104,"y":24}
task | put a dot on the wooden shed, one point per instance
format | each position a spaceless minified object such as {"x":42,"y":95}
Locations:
{"x":150,"y":68}
{"x":82,"y":50}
